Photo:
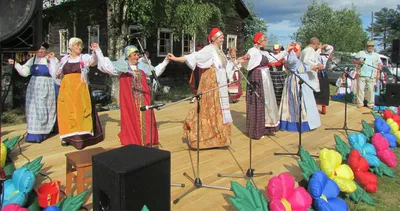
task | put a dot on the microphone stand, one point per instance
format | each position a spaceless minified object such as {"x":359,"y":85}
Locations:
{"x":345,"y":128}
{"x":301,"y":82}
{"x":152,"y":77}
{"x":197,"y":181}
{"x":250,"y":171}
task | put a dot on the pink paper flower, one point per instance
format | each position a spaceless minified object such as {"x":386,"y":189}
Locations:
{"x":284,"y":196}
{"x":386,"y":155}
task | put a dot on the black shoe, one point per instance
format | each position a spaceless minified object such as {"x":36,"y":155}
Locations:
{"x":64,"y":143}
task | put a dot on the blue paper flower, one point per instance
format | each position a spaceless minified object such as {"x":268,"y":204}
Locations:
{"x":380,"y":126}
{"x":324,"y":192}
{"x":358,"y":141}
{"x":391,"y":138}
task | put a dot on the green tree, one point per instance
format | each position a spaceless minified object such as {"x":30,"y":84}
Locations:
{"x":252,"y":25}
{"x":342,"y":28}
{"x":382,"y":26}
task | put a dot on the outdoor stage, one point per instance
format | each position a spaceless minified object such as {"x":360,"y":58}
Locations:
{"x":227,"y":160}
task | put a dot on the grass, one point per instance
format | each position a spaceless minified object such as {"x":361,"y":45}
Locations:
{"x":13,"y":117}
{"x":386,"y":197}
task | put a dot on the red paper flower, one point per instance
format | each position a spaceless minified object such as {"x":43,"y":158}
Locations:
{"x":359,"y":165}
{"x":387,"y":114}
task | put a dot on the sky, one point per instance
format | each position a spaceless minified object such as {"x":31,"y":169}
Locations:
{"x":283,"y":17}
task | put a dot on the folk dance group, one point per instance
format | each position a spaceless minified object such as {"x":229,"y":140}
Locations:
{"x":276,"y":108}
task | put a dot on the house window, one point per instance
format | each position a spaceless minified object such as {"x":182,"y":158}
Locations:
{"x":231,"y":41}
{"x":188,"y":44}
{"x":63,"y":41}
{"x":164,"y":42}
{"x":93,"y":35}
{"x":134,"y":36}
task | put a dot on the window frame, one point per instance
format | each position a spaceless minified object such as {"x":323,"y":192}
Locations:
{"x":60,"y":33}
{"x":164,"y":30}
{"x":90,"y":28}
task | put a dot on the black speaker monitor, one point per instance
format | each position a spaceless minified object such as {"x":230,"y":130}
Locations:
{"x":392,"y":94}
{"x":130,"y":177}
{"x":21,"y":25}
{"x":395,"y":51}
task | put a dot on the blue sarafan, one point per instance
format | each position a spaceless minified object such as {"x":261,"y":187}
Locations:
{"x":325,"y":192}
{"x":358,"y":141}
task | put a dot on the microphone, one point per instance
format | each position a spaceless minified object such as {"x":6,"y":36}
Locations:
{"x":156,"y":106}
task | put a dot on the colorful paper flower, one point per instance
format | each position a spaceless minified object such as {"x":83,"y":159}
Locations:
{"x":380,"y":126}
{"x":13,"y":207}
{"x":394,"y":127}
{"x":360,"y":167}
{"x":387,"y":114}
{"x":331,"y":165}
{"x":325,"y":192}
{"x":358,"y":141}
{"x":284,"y":196}
{"x":381,"y":145}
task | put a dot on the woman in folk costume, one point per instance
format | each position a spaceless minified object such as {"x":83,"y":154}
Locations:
{"x":277,"y":74}
{"x":322,"y":97}
{"x":78,"y":122}
{"x":215,"y":122}
{"x":290,"y":104}
{"x":263,"y":109}
{"x":196,"y":74}
{"x":40,"y":103}
{"x":134,"y":92}
{"x":232,"y":70}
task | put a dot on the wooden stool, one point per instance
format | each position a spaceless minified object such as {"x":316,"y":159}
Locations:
{"x":79,"y":161}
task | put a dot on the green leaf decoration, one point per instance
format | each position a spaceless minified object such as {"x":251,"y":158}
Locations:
{"x":307,"y":164}
{"x":367,"y":130}
{"x":376,"y":115}
{"x":10,"y":143}
{"x":71,"y":202}
{"x":342,"y":147}
{"x":248,"y":198}
{"x":386,"y":170}
{"x":376,"y":170}
{"x":145,"y":208}
{"x":35,"y":165}
{"x":361,"y":195}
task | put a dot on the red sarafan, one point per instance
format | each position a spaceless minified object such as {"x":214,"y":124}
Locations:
{"x":359,"y":165}
{"x":387,"y":114}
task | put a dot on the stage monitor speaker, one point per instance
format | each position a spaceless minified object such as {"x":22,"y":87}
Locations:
{"x":21,"y":25}
{"x":130,"y":177}
{"x":395,"y":51}
{"x":392,"y":96}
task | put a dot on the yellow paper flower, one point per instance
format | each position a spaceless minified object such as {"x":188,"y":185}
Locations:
{"x":331,"y":165}
{"x":3,"y":155}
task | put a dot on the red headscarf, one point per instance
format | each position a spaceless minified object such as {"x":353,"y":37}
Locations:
{"x":258,"y":38}
{"x":214,"y":34}
{"x":296,"y":47}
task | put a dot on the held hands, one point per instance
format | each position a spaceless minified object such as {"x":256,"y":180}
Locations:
{"x":94,"y":46}
{"x":320,"y":66}
{"x":243,"y":58}
{"x":171,"y":56}
{"x":50,"y":55}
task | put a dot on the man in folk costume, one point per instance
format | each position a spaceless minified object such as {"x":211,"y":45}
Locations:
{"x":262,"y":111}
{"x":277,"y":74}
{"x":322,"y":97}
{"x":310,"y":56}
{"x":370,"y":67}
{"x":134,"y":92}
{"x":41,"y":95}
{"x":216,"y":118}
{"x":289,"y":109}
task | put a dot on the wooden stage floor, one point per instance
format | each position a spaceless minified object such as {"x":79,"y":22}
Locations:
{"x":227,"y":160}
